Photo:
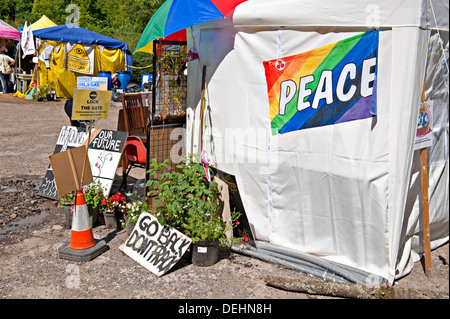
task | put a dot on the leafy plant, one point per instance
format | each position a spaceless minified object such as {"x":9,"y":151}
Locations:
{"x":43,"y":91}
{"x":93,"y":194}
{"x":66,"y":200}
{"x":175,"y":193}
{"x":204,"y":223}
{"x":188,"y":200}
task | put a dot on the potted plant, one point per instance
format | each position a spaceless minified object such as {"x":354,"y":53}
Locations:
{"x":207,"y":229}
{"x":188,"y":200}
{"x":174,"y":193}
{"x":112,"y":208}
{"x":93,"y":194}
{"x":45,"y":92}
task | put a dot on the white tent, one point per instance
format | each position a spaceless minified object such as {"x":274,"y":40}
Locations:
{"x":340,"y":199}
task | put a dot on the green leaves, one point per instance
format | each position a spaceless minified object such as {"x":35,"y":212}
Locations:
{"x":188,"y":201}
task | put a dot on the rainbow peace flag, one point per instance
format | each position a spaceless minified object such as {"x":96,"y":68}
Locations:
{"x":329,"y":85}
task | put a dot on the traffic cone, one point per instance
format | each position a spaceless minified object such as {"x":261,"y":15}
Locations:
{"x":82,"y":236}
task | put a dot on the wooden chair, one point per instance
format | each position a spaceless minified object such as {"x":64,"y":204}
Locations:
{"x":135,"y":124}
{"x":133,"y":115}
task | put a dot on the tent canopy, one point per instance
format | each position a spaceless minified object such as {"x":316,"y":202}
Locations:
{"x":42,"y":23}
{"x":8,"y":32}
{"x":56,"y":46}
{"x":74,"y":34}
{"x":311,"y":13}
{"x":349,"y":193}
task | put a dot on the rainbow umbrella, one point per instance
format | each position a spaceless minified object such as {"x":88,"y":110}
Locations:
{"x":176,"y":15}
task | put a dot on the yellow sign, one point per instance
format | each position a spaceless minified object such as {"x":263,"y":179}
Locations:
{"x":78,"y":60}
{"x":90,"y":104}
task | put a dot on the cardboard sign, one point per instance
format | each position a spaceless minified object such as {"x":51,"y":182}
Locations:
{"x":90,"y":104}
{"x":92,"y":83}
{"x":105,"y":152}
{"x":68,"y":169}
{"x":424,"y":135}
{"x":69,"y":137}
{"x":155,"y":247}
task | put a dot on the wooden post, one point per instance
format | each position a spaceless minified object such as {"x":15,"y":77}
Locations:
{"x":425,"y":205}
{"x":74,"y":170}
{"x":86,"y":158}
{"x":202,"y":109}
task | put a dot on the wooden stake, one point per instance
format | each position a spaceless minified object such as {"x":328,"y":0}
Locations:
{"x":425,"y":205}
{"x":86,"y":158}
{"x":202,"y":110}
{"x":425,"y":211}
{"x":74,"y":170}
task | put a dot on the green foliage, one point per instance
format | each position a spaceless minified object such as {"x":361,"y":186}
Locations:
{"x":204,"y":225}
{"x":175,"y":193}
{"x":186,"y":200}
{"x":43,"y":91}
{"x":66,"y":200}
{"x":93,"y":194}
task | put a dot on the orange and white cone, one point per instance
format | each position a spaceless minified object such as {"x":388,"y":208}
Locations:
{"x":82,"y":236}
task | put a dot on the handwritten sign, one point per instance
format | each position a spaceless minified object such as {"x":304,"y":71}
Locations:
{"x":92,"y":83}
{"x":155,"y":247}
{"x":69,"y":137}
{"x":424,"y":135}
{"x":105,"y":152}
{"x":90,"y":104}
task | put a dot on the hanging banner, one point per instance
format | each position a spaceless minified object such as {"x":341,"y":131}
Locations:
{"x":328,"y":85}
{"x":81,"y":59}
{"x":27,"y":41}
{"x":424,"y":135}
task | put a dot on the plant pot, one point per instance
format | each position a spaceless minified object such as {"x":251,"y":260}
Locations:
{"x":93,"y":214}
{"x":130,"y":227}
{"x":68,"y":216}
{"x":205,"y":253}
{"x":110,"y":220}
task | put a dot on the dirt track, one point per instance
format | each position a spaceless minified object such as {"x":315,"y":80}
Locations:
{"x":29,"y":263}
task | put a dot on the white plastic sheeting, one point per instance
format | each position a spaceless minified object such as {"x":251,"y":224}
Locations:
{"x":347,"y":193}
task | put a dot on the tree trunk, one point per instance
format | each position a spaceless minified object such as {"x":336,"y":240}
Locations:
{"x":353,"y":291}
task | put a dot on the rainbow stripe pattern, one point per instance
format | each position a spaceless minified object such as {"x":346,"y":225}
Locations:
{"x":328,"y":85}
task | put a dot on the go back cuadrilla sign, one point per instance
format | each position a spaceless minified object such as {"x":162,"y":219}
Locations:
{"x":154,"y":246}
{"x":328,"y":85}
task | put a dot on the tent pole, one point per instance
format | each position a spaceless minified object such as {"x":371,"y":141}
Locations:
{"x":202,"y":109}
{"x":425,"y":205}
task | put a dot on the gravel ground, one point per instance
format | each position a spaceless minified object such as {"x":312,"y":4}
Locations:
{"x":32,"y":229}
